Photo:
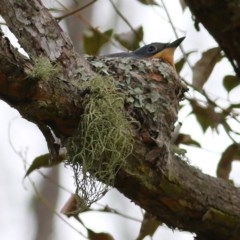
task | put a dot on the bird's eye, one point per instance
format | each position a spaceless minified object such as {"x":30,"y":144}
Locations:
{"x":151,"y":49}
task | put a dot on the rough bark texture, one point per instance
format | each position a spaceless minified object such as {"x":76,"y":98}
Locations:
{"x":154,"y":178}
{"x":222,"y":20}
{"x":182,"y":196}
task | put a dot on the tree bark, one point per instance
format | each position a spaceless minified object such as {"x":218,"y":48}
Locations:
{"x":222,"y":20}
{"x":154,"y":178}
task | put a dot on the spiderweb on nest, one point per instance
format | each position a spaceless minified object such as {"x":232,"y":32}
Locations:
{"x":102,"y":142}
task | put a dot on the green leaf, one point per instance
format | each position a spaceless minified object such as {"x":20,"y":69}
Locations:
{"x":230,"y":82}
{"x":179,"y":64}
{"x":235,"y":105}
{"x":203,"y":68}
{"x":93,"y":40}
{"x":148,"y":2}
{"x":130,"y":40}
{"x":43,"y":161}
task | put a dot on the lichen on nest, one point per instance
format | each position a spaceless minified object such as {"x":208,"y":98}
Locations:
{"x":102,"y":142}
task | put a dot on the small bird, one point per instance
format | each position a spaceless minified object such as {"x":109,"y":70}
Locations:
{"x":153,"y":50}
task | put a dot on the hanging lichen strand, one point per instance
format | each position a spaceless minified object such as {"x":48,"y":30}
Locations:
{"x":102,"y":142}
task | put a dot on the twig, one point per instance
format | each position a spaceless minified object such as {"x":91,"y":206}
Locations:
{"x":108,"y":209}
{"x":74,"y":11}
{"x":44,"y":201}
{"x":125,"y":20}
{"x":47,"y":204}
{"x":175,"y":33}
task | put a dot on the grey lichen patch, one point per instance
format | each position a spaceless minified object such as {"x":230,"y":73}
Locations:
{"x":102,"y":142}
{"x":43,"y":69}
{"x":164,"y":70}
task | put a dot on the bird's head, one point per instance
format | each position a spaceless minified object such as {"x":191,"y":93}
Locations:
{"x":154,"y":50}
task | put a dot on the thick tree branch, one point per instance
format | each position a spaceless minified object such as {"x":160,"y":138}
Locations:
{"x":40,"y":35}
{"x":182,"y":196}
{"x":154,"y":178}
{"x":222,"y":20}
{"x":28,"y":95}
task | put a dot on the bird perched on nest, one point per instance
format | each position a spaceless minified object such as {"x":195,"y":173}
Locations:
{"x":155,"y":50}
{"x":151,"y":86}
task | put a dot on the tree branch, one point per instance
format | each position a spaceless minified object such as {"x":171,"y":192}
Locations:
{"x":221,"y":19}
{"x":28,"y":95}
{"x":39,"y":34}
{"x":182,"y":196}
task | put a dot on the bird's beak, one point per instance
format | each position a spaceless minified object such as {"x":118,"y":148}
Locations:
{"x":168,"y":53}
{"x":176,"y":43}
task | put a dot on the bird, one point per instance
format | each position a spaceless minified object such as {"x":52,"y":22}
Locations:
{"x":155,"y":50}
